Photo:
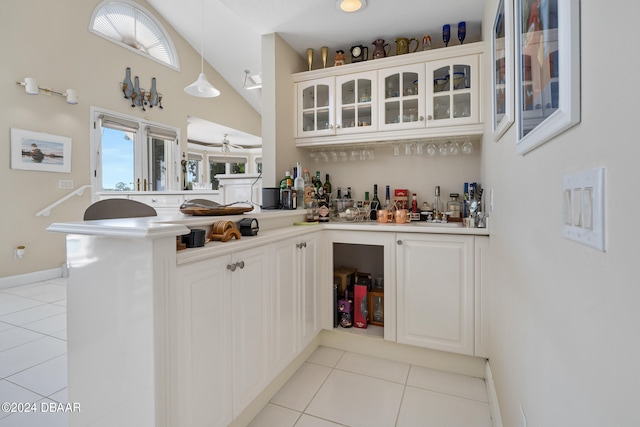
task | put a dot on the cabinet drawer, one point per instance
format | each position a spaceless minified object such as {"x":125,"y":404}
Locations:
{"x":160,"y":201}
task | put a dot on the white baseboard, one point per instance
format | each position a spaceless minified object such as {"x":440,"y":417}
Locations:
{"x":36,"y":276}
{"x":494,"y":408}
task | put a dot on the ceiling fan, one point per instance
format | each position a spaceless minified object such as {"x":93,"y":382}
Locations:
{"x":226,"y":144}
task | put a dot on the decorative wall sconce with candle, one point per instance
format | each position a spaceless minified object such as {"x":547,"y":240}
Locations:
{"x":140,"y":97}
{"x":31,"y":86}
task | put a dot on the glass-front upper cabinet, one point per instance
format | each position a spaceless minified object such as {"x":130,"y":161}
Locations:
{"x":315,"y":107}
{"x":402,"y":96}
{"x":356,"y":103}
{"x":453,"y":91}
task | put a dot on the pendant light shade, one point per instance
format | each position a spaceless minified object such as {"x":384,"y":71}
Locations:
{"x":201,"y":87}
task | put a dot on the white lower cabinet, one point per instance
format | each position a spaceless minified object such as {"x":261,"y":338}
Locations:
{"x":203,"y":368}
{"x":240,"y":319}
{"x":294,"y":314}
{"x":435,"y":285}
{"x":222,"y":317}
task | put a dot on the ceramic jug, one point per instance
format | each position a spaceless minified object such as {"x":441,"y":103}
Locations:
{"x":379,"y":50}
{"x":403,"y":44}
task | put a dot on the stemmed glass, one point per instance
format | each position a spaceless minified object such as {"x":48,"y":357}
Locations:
{"x":462,"y":31}
{"x":446,"y":34}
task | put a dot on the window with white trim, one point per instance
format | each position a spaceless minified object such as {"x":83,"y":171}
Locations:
{"x":128,"y":24}
{"x":225,"y":165}
{"x":130,"y":154}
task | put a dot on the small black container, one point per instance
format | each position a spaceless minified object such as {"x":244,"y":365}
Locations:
{"x":270,"y":198}
{"x":195,"y":239}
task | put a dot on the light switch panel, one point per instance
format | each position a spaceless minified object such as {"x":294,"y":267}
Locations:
{"x":583,"y":208}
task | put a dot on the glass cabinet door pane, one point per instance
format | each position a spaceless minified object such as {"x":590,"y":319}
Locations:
{"x":364,"y":115}
{"x":392,"y":112}
{"x":349,"y":117}
{"x":410,"y":111}
{"x":308,"y":98}
{"x":441,"y":78}
{"x":392,"y":86}
{"x":462,"y":105}
{"x":308,"y":121}
{"x":323,"y":119}
{"x":364,"y":90}
{"x":409,"y":84}
{"x":348,"y":92}
{"x":461,"y":77}
{"x":441,"y":107}
{"x":323,"y":96}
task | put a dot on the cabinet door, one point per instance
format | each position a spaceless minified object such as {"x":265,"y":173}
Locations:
{"x":435,"y":292}
{"x":356,"y":103}
{"x":315,"y":107}
{"x":204,"y":344}
{"x":401,"y":90}
{"x":250,"y":300}
{"x":284,"y":305}
{"x":453,"y":91}
{"x":308,"y":268}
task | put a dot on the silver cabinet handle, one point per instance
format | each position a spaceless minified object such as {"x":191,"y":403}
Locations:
{"x":231,"y":267}
{"x":399,"y":242}
{"x":303,"y":244}
{"x":298,"y":245}
{"x":240,"y":264}
{"x":430,"y":117}
{"x":421,"y":118}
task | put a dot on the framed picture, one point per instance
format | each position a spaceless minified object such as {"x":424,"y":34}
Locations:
{"x":547,"y":70}
{"x":37,"y":151}
{"x":502,"y":51}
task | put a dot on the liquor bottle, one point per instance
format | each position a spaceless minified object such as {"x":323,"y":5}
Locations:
{"x":298,"y":184}
{"x":367,"y":203}
{"x":323,"y":210}
{"x":454,"y":207}
{"x":285,"y":191}
{"x":283,"y":181}
{"x":326,"y":189}
{"x":387,"y":199}
{"x":414,"y":204}
{"x":318,"y":185}
{"x":375,"y":203}
{"x":309,"y":189}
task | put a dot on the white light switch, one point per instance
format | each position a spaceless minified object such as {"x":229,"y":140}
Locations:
{"x":583,"y":208}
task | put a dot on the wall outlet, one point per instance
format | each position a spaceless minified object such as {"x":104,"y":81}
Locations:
{"x":523,"y":419}
{"x":65,"y":184}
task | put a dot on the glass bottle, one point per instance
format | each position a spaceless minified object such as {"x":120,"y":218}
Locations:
{"x":454,"y":206}
{"x":298,"y":184}
{"x":309,"y":190}
{"x":326,"y":189}
{"x":375,"y":204}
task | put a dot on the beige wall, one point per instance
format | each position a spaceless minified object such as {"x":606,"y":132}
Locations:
{"x":565,"y":317}
{"x":50,"y":42}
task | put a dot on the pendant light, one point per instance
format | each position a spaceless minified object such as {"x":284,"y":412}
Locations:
{"x":201,"y":87}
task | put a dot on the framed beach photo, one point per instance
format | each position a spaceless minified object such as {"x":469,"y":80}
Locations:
{"x":547,"y":70}
{"x":42,"y":152}
{"x":503,"y":70}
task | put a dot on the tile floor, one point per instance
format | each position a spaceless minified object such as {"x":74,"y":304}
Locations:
{"x":332,"y":388}
{"x":33,"y":353}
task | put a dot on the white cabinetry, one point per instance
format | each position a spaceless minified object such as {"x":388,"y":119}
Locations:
{"x":402,"y":89}
{"x":423,"y":95}
{"x":435,"y":291}
{"x":453,"y":91}
{"x":294,"y":308}
{"x":316,"y":104}
{"x":222,"y":312}
{"x":205,"y":387}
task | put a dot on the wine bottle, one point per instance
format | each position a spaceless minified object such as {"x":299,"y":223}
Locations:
{"x":318,"y":186}
{"x":375,"y":203}
{"x":326,"y":189}
{"x":387,"y":199}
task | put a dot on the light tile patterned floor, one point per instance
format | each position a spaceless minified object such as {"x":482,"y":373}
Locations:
{"x":332,"y":388}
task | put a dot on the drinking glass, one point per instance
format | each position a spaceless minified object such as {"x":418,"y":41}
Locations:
{"x":431,"y":150}
{"x":396,"y":149}
{"x":446,"y":34}
{"x":419,"y":148}
{"x":467,"y":147}
{"x":443,"y":149}
{"x":454,"y":148}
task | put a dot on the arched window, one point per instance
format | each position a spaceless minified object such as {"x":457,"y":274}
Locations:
{"x":130,"y":25}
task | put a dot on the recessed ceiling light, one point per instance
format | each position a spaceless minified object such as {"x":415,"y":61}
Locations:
{"x":350,"y":6}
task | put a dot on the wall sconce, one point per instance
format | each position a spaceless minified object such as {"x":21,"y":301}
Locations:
{"x":255,"y":81}
{"x":31,"y":86}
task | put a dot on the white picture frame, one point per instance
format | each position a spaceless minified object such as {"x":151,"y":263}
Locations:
{"x":547,"y":40}
{"x":43,"y":152}
{"x":502,"y":41}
